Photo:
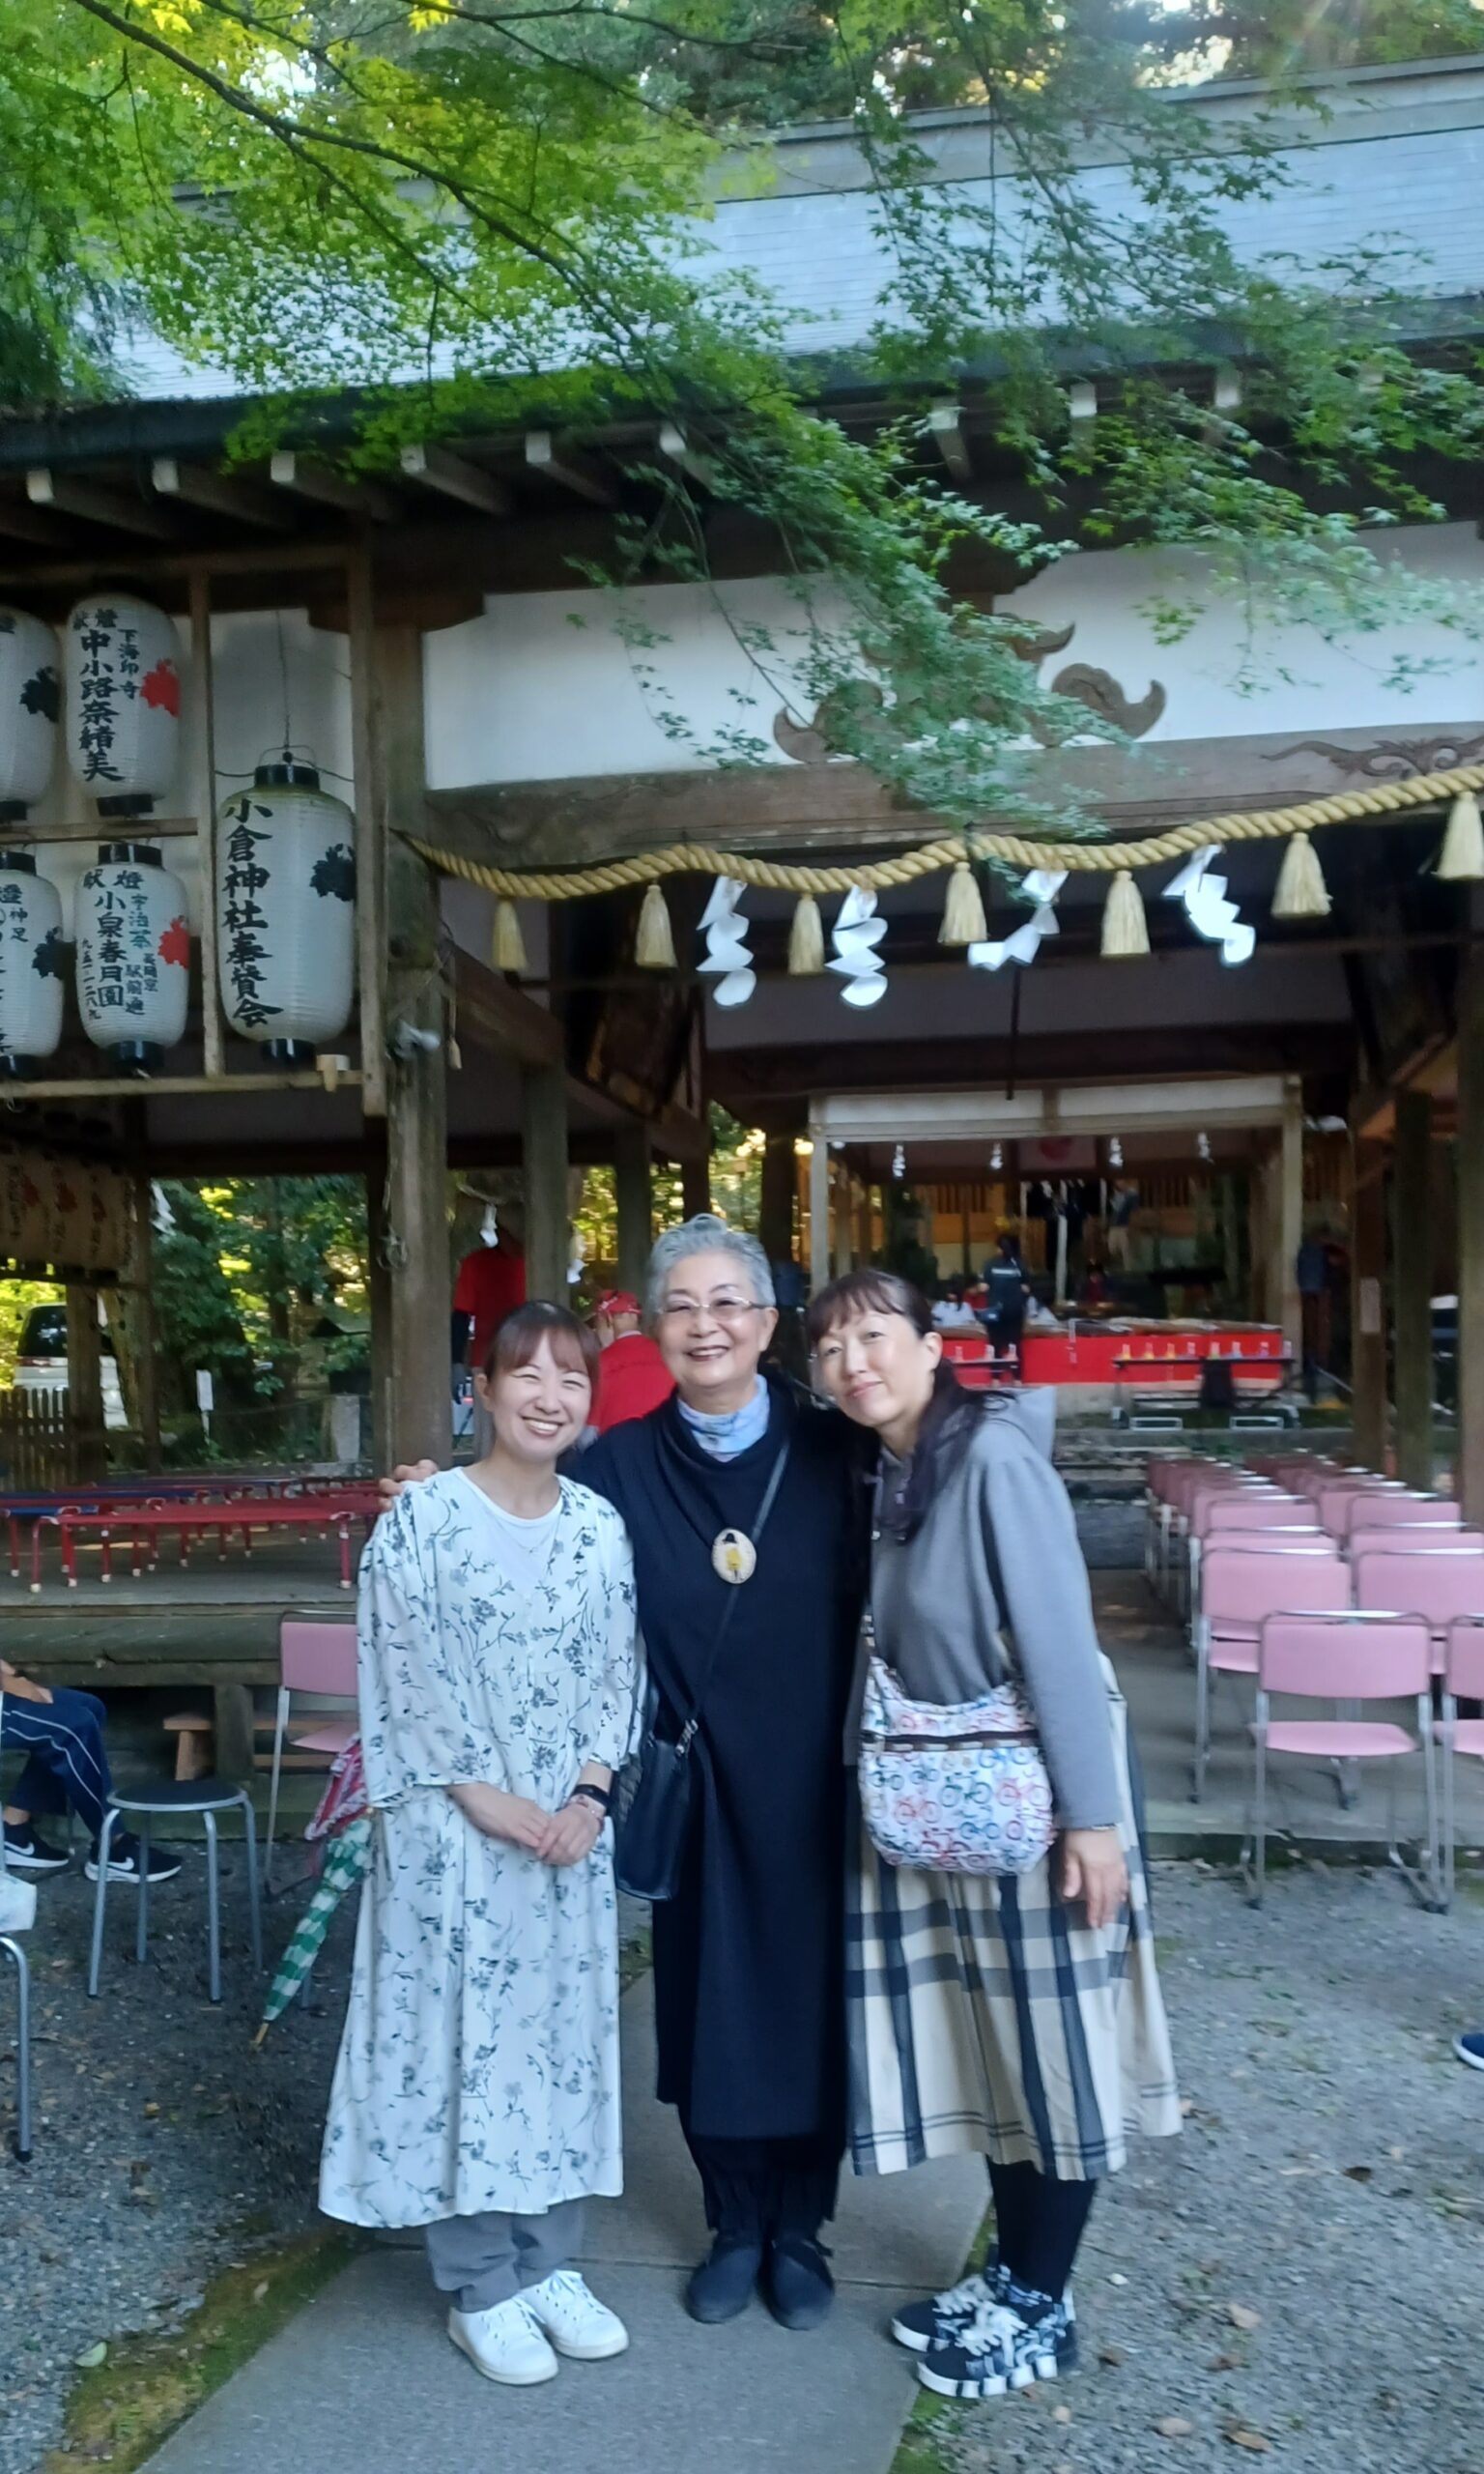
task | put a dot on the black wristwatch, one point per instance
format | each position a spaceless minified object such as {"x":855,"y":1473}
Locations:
{"x":601,"y":1796}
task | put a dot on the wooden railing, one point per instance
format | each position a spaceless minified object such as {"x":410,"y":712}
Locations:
{"x":41,"y":1447}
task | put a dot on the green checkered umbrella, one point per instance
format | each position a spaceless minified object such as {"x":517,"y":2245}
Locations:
{"x":347,"y":1858}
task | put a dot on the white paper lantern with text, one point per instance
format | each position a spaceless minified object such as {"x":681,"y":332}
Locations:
{"x":123,"y":702}
{"x":30,"y":709}
{"x":133,"y":954}
{"x":286,"y":910}
{"x":33,"y":963}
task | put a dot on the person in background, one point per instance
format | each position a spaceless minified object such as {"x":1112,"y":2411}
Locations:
{"x":633,"y":1377}
{"x":488,"y":1284}
{"x":1016,"y":2015}
{"x":952,"y":1311}
{"x":476,"y":2090}
{"x":1008,"y":1288}
{"x":67,"y":1768}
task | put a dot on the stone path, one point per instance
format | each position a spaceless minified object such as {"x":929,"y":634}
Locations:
{"x":365,"y":2378}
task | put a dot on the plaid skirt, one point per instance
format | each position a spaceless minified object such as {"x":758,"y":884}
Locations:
{"x":983,"y":2017}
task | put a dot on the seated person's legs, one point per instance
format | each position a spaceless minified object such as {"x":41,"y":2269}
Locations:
{"x":66,"y":1769}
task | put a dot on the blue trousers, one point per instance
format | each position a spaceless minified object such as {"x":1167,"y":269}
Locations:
{"x":67,"y":1763}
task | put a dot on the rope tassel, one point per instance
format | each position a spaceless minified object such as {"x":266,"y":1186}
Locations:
{"x":1460,"y":859}
{"x":963,"y":912}
{"x":1301,"y":892}
{"x":654,"y":942}
{"x":509,"y":944}
{"x":1125,"y":928}
{"x":806,"y":941}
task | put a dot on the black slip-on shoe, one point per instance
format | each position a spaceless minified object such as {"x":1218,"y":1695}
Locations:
{"x":722,"y":2286}
{"x":799,"y":2285}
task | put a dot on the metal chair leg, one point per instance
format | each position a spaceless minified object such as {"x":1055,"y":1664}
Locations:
{"x":213,"y":1910}
{"x":14,"y":1950}
{"x":280,"y":1729}
{"x":142,"y":1921}
{"x":1260,"y":1822}
{"x":100,"y":1898}
{"x":254,"y":1907}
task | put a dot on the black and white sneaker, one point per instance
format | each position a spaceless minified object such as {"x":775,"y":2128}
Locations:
{"x":941,"y":2320}
{"x":1021,"y":2339}
{"x":27,"y":1852}
{"x":123,"y":1862}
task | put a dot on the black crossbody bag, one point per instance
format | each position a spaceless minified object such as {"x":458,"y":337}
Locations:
{"x":655,"y":1805}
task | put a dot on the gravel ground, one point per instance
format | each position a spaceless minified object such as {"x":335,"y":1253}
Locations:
{"x":164,"y":2149}
{"x":1329,"y":2181}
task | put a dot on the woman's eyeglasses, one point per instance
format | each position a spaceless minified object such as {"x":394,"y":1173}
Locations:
{"x":726,"y":1309}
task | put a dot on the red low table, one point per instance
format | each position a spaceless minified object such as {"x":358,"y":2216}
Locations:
{"x":139,"y":1523}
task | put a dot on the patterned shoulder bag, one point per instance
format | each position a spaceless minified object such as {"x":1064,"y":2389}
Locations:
{"x":951,"y":1788}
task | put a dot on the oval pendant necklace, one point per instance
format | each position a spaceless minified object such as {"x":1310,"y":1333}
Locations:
{"x":734,"y":1556}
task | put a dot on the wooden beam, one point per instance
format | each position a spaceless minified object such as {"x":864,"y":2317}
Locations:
{"x":174,"y":1086}
{"x":202,"y":721}
{"x":95,"y":503}
{"x":568,"y":464}
{"x":634,"y":1194}
{"x":453,"y":477}
{"x":366,"y":499}
{"x":1412,"y":1247}
{"x":494,"y":1014}
{"x":945,"y":424}
{"x":284,"y":559}
{"x":819,"y":1211}
{"x":85,"y":1380}
{"x":219,"y":493}
{"x":20,"y":521}
{"x":545,"y":1160}
{"x":1289,"y":1216}
{"x":371,"y":831}
{"x":1469,"y":1163}
{"x":1368,"y":1308}
{"x":678,"y":448}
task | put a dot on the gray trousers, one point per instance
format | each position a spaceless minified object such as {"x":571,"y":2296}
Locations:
{"x":484,"y":2260}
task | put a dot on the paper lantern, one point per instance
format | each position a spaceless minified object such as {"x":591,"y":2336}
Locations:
{"x":30,"y":706}
{"x":32,"y":963}
{"x":123,"y":702}
{"x":286,"y":910}
{"x":133,"y":954}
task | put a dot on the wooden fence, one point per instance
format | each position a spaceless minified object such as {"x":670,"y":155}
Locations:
{"x":40,"y":1444}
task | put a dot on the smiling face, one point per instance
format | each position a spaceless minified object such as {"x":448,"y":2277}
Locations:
{"x":879,"y":1368}
{"x":711,"y":1331}
{"x":540,"y":1409}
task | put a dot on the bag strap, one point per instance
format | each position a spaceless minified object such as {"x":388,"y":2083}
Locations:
{"x":733,"y":1593}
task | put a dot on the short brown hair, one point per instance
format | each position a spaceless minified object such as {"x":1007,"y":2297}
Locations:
{"x":518,"y":1337}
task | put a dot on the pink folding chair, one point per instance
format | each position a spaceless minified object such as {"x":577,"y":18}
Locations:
{"x":1333,"y":1501}
{"x":312,"y":1658}
{"x":1344,"y":1659}
{"x":1463,"y":1681}
{"x":1401,"y":1537}
{"x":1240,"y":1589}
{"x":1375,"y":1508}
{"x":1436,"y":1585}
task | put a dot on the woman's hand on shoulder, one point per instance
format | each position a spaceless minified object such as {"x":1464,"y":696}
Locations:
{"x":1094,"y":1871}
{"x":408,"y":1473}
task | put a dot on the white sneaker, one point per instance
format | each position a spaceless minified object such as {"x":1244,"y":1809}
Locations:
{"x":506,"y":2343}
{"x":578,"y":2324}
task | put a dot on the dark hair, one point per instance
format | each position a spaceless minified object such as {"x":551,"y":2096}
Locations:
{"x":952,"y":1415}
{"x":518,"y":1336}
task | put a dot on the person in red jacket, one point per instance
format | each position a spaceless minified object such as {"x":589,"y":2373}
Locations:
{"x":632,"y":1375}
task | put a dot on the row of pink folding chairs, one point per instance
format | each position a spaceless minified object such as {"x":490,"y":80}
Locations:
{"x":1350,"y":1658}
{"x":1176,"y":1487}
{"x":1242,"y":1586}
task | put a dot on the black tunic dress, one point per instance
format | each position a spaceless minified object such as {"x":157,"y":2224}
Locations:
{"x":749,"y":1957}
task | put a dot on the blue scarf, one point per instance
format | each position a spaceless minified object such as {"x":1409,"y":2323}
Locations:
{"x":725,"y":1434}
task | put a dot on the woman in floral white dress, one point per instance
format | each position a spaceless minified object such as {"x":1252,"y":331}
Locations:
{"x":478,"y":2090}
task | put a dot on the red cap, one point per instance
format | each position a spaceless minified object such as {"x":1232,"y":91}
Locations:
{"x":616,"y":1301}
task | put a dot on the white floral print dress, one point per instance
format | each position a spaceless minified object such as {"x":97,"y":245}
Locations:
{"x":479,"y":2064}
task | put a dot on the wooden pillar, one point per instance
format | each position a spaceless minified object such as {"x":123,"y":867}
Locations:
{"x":1411,"y":1253}
{"x":775,"y":1217}
{"x":696,"y":1186}
{"x":1469,"y":1161}
{"x":378,"y":1292}
{"x":138,"y":1302}
{"x":862,"y":1224}
{"x":633,"y":1194}
{"x":1288,"y":1303}
{"x":85,"y":1380}
{"x":416,"y":1238}
{"x":1257,"y":1237}
{"x":819,"y":1213}
{"x":543,"y":1158}
{"x":1368,"y":1307}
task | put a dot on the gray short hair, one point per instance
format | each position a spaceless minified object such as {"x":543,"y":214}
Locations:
{"x":705,"y":1234}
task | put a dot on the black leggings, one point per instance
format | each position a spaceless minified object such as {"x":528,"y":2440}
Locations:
{"x":1039,"y":2225}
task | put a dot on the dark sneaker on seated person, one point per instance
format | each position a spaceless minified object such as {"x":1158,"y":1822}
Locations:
{"x":124,"y":1861}
{"x":800,"y":2287}
{"x":27,"y":1852}
{"x":722,"y":2286}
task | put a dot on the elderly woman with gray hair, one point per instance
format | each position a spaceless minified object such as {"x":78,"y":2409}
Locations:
{"x":739,"y":1497}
